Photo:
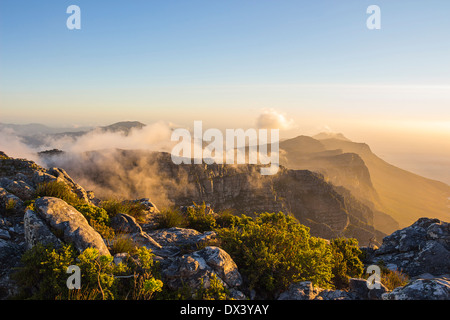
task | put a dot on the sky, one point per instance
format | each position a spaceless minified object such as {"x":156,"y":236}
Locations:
{"x":229,"y":62}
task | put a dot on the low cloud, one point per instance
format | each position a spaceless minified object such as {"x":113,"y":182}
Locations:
{"x":272,"y":119}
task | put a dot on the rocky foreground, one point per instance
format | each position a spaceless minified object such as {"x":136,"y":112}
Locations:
{"x":421,"y":250}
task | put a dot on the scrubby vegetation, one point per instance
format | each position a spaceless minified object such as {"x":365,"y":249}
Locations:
{"x":43,"y":275}
{"x":271,"y":250}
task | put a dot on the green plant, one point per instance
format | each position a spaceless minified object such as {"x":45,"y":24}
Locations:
{"x":199,"y":219}
{"x":43,"y":275}
{"x":115,"y":206}
{"x":346,"y":261}
{"x":215,"y":290}
{"x":171,"y":217}
{"x":273,"y":250}
{"x":58,"y":189}
{"x":392,"y":278}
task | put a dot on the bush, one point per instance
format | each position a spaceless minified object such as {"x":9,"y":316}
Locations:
{"x":43,"y":275}
{"x":346,"y":262}
{"x":170,"y":218}
{"x":97,"y":218}
{"x":134,"y":209}
{"x":58,"y":189}
{"x":392,"y":278}
{"x":199,"y":219}
{"x":273,"y":250}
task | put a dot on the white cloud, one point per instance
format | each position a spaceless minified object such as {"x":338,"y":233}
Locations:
{"x":272,"y":119}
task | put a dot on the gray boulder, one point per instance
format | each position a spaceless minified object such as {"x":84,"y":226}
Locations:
{"x":181,"y":237}
{"x":37,"y":231}
{"x":199,"y":267}
{"x":421,"y":289}
{"x":124,"y":224}
{"x":423,"y":247}
{"x":69,"y":224}
{"x":301,"y":291}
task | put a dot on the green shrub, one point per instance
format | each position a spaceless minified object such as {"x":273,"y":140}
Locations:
{"x":392,"y":278}
{"x":199,"y":219}
{"x":215,"y":290}
{"x":58,"y":189}
{"x":346,"y":261}
{"x":273,"y":250}
{"x":43,"y":275}
{"x":171,"y":217}
{"x":134,"y":209}
{"x":97,"y":218}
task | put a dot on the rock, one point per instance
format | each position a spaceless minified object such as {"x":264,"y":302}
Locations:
{"x":423,"y":247}
{"x":334,"y":295}
{"x":120,"y":257}
{"x":10,"y":254}
{"x":124,"y":223}
{"x":359,"y":288}
{"x":70,"y":224}
{"x":149,"y":206}
{"x":21,"y":189}
{"x":181,"y":236}
{"x":421,"y":289}
{"x":10,"y":203}
{"x":199,"y":266}
{"x":37,"y":231}
{"x":220,"y":261}
{"x":377,"y":294}
{"x":301,"y":291}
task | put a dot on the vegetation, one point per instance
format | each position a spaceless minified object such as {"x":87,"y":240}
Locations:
{"x":115,"y":206}
{"x":43,"y":275}
{"x":272,"y":251}
{"x":346,"y":261}
{"x":58,"y":189}
{"x":392,"y":278}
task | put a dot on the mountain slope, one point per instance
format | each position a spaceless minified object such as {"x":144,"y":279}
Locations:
{"x":329,"y":212}
{"x":403,"y":195}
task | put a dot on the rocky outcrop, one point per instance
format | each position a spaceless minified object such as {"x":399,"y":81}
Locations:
{"x":423,"y":247}
{"x":358,"y":290}
{"x":327,"y":210}
{"x":197,"y":269}
{"x":68,"y":223}
{"x":421,"y":289}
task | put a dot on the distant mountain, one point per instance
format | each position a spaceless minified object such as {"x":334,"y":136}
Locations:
{"x":124,"y":126}
{"x":329,"y":211}
{"x":37,"y":128}
{"x":330,"y":135}
{"x":37,"y":135}
{"x":394,"y":194}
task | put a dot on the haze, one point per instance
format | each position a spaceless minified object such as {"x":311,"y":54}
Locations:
{"x":308,"y":68}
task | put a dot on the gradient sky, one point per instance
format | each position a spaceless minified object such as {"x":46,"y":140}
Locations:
{"x":224,"y":61}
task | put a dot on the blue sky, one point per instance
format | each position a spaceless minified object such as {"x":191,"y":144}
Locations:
{"x":225,"y":61}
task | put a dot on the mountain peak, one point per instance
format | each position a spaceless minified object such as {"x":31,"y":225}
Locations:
{"x":330,"y":135}
{"x":123,"y":126}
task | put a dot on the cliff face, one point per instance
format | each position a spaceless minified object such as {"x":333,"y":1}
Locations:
{"x":328,"y":210}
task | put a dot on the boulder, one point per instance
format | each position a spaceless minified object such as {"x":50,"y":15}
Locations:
{"x":301,"y":291}
{"x":421,"y":289}
{"x":423,"y":247}
{"x":181,"y":237}
{"x":125,"y":224}
{"x":69,"y":224}
{"x":37,"y":231}
{"x":199,"y":266}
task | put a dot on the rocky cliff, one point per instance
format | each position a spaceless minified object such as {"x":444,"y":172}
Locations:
{"x":187,"y":256}
{"x":329,"y":211}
